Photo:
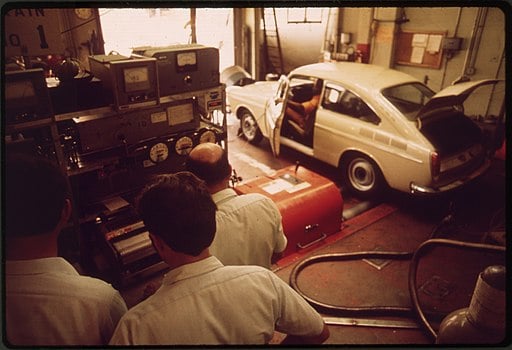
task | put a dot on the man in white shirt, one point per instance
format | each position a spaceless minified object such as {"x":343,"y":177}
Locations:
{"x":201,"y":301}
{"x":249,"y":226}
{"x":47,"y":301}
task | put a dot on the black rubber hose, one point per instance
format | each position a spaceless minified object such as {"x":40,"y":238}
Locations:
{"x":385,"y":310}
{"x":352,"y":311}
{"x":413,"y":267}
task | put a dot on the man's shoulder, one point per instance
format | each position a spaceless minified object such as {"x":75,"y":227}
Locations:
{"x":245,"y":269}
{"x":252,"y":272}
{"x":95,"y":284}
{"x":254,"y":198}
{"x":55,"y":273}
{"x":255,"y":204}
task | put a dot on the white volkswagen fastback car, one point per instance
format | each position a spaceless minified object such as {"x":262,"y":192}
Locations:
{"x":381,"y":127}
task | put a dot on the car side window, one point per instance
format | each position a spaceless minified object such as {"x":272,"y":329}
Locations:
{"x":340,"y":100}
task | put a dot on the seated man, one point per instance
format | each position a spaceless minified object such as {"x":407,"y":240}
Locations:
{"x":301,"y":113}
{"x":47,"y":301}
{"x":201,"y":301}
{"x":249,"y":228}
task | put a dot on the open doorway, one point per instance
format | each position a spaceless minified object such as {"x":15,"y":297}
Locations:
{"x":126,"y":28}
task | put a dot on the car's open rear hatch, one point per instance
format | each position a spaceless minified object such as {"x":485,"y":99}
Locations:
{"x":458,"y":140}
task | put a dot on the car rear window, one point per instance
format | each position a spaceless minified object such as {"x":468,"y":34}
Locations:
{"x":408,"y":98}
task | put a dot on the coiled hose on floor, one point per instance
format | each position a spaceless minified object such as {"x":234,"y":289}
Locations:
{"x":385,"y":310}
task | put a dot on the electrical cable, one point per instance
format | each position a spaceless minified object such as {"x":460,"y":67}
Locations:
{"x":384,"y":310}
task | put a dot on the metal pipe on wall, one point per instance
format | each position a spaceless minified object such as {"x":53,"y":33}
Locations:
{"x":322,"y":48}
{"x":501,"y":114}
{"x":332,"y":29}
{"x":336,"y":29}
{"x":455,"y":32}
{"x":476,"y":36}
{"x":373,"y":29}
{"x":193,"y":32}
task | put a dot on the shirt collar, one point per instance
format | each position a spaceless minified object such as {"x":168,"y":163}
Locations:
{"x":223,"y":195}
{"x":192,"y":270}
{"x":38,"y":266}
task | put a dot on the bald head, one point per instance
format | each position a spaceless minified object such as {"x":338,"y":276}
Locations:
{"x":209,"y":162}
{"x":207,"y":152}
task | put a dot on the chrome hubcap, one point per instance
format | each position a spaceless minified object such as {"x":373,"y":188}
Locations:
{"x":249,"y":127}
{"x":361,"y":174}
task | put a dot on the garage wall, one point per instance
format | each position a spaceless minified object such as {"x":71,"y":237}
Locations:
{"x":488,"y":52}
{"x":482,"y":52}
{"x":376,"y":29}
{"x":440,"y":20}
{"x":301,"y":42}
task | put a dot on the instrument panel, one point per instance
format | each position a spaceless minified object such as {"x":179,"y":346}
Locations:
{"x":111,"y":150}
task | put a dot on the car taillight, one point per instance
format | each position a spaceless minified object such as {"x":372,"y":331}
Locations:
{"x":435,"y":164}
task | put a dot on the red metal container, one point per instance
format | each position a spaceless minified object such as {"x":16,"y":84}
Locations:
{"x":310,"y":204}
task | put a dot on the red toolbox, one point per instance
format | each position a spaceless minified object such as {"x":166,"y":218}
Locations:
{"x":310,"y":204}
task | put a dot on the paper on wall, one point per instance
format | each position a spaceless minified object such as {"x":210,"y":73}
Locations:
{"x":417,"y":55}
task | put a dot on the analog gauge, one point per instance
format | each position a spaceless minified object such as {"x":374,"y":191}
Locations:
{"x":135,"y":75}
{"x":208,"y":136}
{"x":83,"y":13}
{"x":186,"y":59}
{"x":159,"y":152}
{"x":184,"y":145}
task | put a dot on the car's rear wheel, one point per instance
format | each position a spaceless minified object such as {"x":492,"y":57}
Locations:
{"x":362,"y":176}
{"x":250,"y":129}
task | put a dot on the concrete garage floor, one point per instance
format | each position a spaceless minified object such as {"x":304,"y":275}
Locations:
{"x":446,"y":276}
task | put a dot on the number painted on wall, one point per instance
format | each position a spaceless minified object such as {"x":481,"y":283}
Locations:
{"x":32,"y":32}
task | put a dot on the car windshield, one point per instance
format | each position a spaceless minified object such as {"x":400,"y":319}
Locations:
{"x":408,"y":98}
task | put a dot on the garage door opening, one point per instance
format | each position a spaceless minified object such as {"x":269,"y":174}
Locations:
{"x":126,"y":28}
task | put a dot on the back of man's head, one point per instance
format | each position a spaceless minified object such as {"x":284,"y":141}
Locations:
{"x":179,"y":209}
{"x":209,"y":162}
{"x":35,"y":193}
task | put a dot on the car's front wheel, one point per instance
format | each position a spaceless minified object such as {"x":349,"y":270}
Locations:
{"x":249,"y":128}
{"x":362,"y":176}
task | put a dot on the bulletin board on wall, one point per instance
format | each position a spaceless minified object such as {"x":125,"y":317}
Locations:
{"x":420,"y":49}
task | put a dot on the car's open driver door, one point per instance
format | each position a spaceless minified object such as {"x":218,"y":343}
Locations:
{"x":274,"y":114}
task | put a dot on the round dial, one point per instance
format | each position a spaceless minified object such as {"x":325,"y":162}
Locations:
{"x":184,"y":145}
{"x":208,"y":136}
{"x":83,"y":13}
{"x":159,"y":152}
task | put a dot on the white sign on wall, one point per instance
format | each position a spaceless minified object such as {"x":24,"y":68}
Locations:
{"x":32,"y":32}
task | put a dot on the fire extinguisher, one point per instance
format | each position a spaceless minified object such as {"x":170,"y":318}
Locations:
{"x":359,"y":56}
{"x":483,"y":322}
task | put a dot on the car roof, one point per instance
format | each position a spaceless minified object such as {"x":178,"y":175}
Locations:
{"x":359,"y":75}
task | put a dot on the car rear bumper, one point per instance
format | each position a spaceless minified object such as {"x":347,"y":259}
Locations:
{"x":419,"y":189}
